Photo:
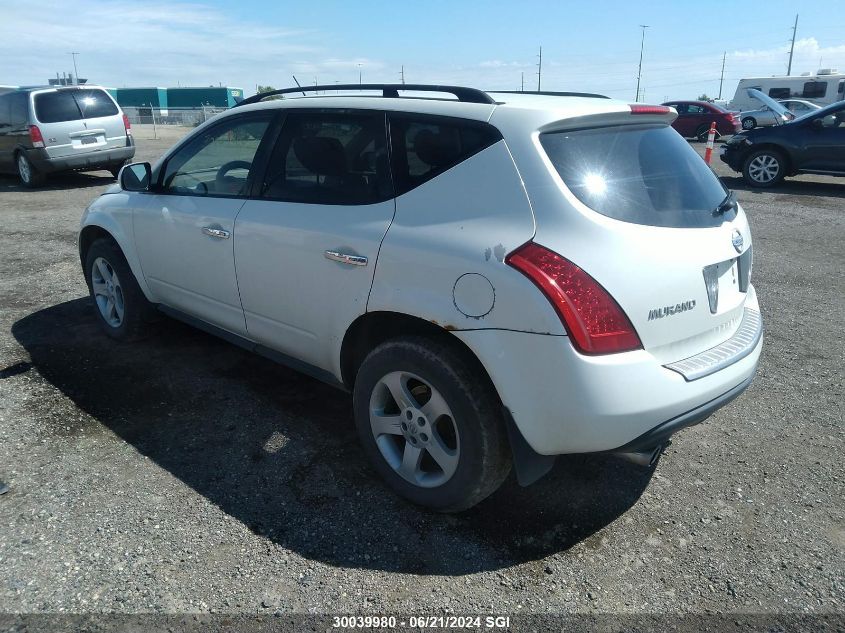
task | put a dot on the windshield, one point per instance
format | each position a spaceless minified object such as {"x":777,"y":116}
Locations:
{"x":644,"y":174}
{"x":822,"y":112}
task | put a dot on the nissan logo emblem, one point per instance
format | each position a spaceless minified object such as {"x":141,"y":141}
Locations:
{"x":737,"y":241}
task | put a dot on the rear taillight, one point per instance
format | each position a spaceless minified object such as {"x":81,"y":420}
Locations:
{"x":595,"y":322}
{"x":127,"y":124}
{"x":648,"y":109}
{"x":35,"y":136}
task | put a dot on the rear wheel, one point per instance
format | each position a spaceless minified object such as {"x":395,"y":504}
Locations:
{"x":123,"y":311}
{"x":115,"y":169}
{"x":749,"y":123}
{"x":29,"y":175}
{"x":764,"y":168}
{"x":431,"y":427}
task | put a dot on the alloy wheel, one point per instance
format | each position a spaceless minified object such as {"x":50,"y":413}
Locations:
{"x":763,"y":168}
{"x":108,"y":293}
{"x":414,"y":429}
{"x":24,"y":169}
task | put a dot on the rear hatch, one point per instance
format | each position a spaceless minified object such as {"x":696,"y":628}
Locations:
{"x":655,"y":227}
{"x":78,"y":120}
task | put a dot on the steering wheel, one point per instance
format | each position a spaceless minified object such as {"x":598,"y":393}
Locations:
{"x":225,"y":168}
{"x":231,"y":184}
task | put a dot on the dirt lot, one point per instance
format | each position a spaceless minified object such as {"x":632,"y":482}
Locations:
{"x":185,"y":475}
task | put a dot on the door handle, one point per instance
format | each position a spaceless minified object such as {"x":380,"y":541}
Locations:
{"x":218,"y":233}
{"x":345,"y":258}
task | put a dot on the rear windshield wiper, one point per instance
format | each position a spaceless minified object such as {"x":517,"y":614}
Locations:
{"x":728,"y":204}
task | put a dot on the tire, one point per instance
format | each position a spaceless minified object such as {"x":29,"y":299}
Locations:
{"x":115,"y":169}
{"x":701,"y":133}
{"x":749,"y":123}
{"x":448,"y":411}
{"x":122,"y":310}
{"x":764,"y":168}
{"x":29,"y":175}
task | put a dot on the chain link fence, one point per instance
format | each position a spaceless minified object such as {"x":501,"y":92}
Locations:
{"x":185,"y":117}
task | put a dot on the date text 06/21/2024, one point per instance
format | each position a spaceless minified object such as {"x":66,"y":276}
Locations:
{"x":422,"y":622}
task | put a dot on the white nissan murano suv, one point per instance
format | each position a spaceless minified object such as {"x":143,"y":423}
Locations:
{"x":497,"y":278}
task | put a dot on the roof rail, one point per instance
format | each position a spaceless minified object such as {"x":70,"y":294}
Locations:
{"x":466,"y":95}
{"x":552,"y":94}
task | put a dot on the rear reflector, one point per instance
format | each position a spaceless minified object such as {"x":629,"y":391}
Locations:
{"x":127,"y":124}
{"x":648,"y":109}
{"x":595,"y":322}
{"x":35,"y":136}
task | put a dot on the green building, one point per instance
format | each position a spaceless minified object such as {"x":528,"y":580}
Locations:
{"x":140,"y":97}
{"x":188,"y":97}
{"x":217,"y":97}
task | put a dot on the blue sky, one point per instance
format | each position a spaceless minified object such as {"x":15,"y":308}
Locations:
{"x":587,"y":46}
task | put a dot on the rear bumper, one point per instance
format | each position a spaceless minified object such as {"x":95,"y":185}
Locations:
{"x":564,"y":402}
{"x":662,"y":432}
{"x":90,"y":160}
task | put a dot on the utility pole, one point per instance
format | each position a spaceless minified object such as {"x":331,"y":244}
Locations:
{"x":792,"y":47}
{"x":76,"y":72}
{"x":722,"y":78}
{"x":402,"y":74}
{"x":522,"y":82}
{"x":359,"y":73}
{"x":540,"y":69}
{"x":640,"y":69}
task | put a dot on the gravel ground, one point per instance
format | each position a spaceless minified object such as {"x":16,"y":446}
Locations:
{"x":183,"y":475}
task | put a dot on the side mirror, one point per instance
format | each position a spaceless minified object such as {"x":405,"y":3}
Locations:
{"x":817,"y":124}
{"x":135,"y":177}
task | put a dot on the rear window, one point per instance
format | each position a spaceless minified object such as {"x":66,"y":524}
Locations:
{"x":644,"y":174}
{"x":72,"y":105}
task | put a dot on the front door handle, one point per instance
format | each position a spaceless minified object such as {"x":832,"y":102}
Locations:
{"x":218,"y":233}
{"x":345,"y":258}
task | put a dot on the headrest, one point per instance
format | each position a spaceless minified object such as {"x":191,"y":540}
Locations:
{"x":321,"y":155}
{"x":437,"y":150}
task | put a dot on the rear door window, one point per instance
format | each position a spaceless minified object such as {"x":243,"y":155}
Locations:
{"x":18,"y":110}
{"x":330,"y":157}
{"x":644,"y":174}
{"x":73,"y":105}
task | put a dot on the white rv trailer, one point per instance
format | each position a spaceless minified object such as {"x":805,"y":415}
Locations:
{"x":825,"y":87}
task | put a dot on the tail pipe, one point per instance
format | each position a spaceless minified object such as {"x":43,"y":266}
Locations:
{"x":644,"y":458}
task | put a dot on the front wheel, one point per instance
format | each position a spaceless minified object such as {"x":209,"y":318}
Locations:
{"x":122,"y":310}
{"x":749,"y":123}
{"x":764,"y":168}
{"x":431,"y":427}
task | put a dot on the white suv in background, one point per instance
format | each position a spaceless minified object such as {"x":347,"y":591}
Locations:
{"x":498,"y":278}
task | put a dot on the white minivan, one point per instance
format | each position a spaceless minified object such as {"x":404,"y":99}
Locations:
{"x":497,"y":278}
{"x":50,"y":129}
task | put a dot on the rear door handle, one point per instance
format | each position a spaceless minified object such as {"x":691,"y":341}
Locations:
{"x":218,"y":233}
{"x":346,"y":258}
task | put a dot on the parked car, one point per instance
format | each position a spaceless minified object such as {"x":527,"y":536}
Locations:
{"x":497,"y":278}
{"x":811,"y":144}
{"x":766,"y":116}
{"x":48,"y":130}
{"x":695,"y":117}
